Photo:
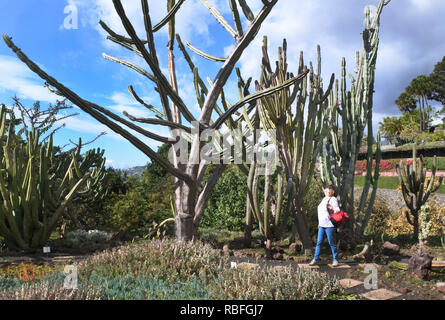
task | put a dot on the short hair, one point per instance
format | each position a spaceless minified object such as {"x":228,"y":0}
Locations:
{"x":333,"y":188}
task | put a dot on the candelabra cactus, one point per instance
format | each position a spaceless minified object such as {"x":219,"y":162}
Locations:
{"x":341,"y":147}
{"x":296,"y":145}
{"x":35,"y":187}
{"x":415,"y":188}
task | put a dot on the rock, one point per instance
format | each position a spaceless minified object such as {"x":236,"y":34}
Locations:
{"x":441,"y":287}
{"x":277,"y":256}
{"x":404,"y":290}
{"x":288,"y":258}
{"x":295,"y":247}
{"x":238,"y":254}
{"x":277,"y":249}
{"x":301,"y":259}
{"x":247,"y":266}
{"x":259,"y":255}
{"x":420,"y":263}
{"x":280,"y":268}
{"x":227,"y":251}
{"x":390,"y":249}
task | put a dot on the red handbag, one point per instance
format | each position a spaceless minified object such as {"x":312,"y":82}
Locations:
{"x":338,"y":218}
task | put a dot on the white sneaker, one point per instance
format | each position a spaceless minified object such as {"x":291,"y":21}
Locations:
{"x":335,"y":263}
{"x":313,"y":262}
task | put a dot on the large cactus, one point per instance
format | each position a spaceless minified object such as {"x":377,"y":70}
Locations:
{"x":297,"y":145}
{"x":35,"y":187}
{"x":95,"y":189}
{"x":415,"y":188}
{"x":191,"y":192}
{"x":353,"y":109}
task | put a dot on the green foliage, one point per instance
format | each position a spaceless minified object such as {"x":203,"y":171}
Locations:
{"x":390,"y":127}
{"x":171,"y":270}
{"x":226,"y":208}
{"x":35,"y":186}
{"x":389,"y":183}
{"x":137,"y":209}
{"x":378,"y":223}
{"x":271,"y":284}
{"x":135,"y":204}
{"x":437,"y":78}
{"x":406,"y":102}
{"x":154,"y":173}
{"x":311,"y":201}
{"x":91,"y":239}
{"x":415,"y":188}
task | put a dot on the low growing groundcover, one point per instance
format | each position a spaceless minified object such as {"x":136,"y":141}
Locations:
{"x":171,"y":270}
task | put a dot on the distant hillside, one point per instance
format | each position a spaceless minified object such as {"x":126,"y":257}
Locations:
{"x":135,"y":171}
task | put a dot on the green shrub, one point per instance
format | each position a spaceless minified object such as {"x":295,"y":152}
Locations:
{"x":311,"y":200}
{"x":380,"y":216}
{"x":167,"y":269}
{"x":87,"y":239}
{"x":9,"y":284}
{"x":164,"y":259}
{"x":271,"y":284}
{"x":136,"y":210}
{"x":226,"y":208}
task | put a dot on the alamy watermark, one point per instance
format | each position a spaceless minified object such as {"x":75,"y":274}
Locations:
{"x":371,"y":281}
{"x":236,"y":146}
{"x":71,"y":21}
{"x":71,"y":277}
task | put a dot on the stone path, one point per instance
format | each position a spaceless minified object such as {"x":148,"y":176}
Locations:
{"x":351,"y":286}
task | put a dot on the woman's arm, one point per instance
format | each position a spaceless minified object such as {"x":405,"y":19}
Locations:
{"x":333,"y":204}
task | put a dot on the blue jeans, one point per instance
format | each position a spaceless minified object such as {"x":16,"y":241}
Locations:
{"x":330,"y":232}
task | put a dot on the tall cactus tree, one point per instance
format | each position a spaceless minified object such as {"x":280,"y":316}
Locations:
{"x":415,"y":188}
{"x":35,"y":187}
{"x":191,"y":193}
{"x":282,"y":116}
{"x":353,"y":110}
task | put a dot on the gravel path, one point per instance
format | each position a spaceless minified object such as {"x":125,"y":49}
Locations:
{"x":394,"y":199}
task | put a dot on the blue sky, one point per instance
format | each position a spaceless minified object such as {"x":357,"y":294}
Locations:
{"x":411,"y":43}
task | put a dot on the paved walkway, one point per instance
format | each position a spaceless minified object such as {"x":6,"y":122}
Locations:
{"x":351,"y":286}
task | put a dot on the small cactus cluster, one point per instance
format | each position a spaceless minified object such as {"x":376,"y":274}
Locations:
{"x":36,"y":186}
{"x":415,"y":188}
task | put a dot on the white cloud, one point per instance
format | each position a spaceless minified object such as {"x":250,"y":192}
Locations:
{"x":17,"y":79}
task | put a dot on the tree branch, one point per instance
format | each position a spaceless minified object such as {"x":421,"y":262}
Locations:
{"x":91,"y":108}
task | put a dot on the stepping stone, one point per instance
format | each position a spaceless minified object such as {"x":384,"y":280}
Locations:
{"x":340,"y":266}
{"x":247,"y":266}
{"x":281,"y":268}
{"x":438,"y":264}
{"x":381,"y":294}
{"x":307,"y":266}
{"x":350,"y":283}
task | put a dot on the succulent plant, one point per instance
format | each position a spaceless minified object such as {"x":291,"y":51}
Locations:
{"x":35,"y":186}
{"x":415,"y":188}
{"x":351,"y":113}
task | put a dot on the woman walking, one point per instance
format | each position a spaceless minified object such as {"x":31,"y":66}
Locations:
{"x":325,"y":225}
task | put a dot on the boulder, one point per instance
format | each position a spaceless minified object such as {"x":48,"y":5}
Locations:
{"x":277,"y":256}
{"x":390,"y":249}
{"x":295,"y":247}
{"x":420,"y":262}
